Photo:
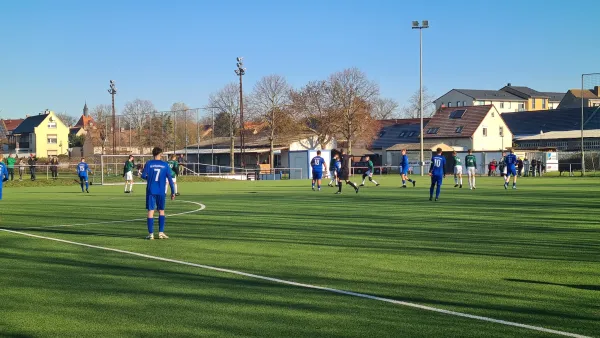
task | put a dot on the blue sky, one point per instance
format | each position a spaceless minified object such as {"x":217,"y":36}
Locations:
{"x":59,"y":54}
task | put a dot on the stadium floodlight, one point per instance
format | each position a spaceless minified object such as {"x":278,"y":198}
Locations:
{"x":241,"y":71}
{"x":415,"y":25}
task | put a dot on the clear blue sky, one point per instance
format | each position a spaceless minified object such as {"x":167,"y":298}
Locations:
{"x":58,"y":54}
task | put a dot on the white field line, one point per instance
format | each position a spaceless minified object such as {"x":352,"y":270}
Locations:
{"x":309,"y":286}
{"x":201,"y":207}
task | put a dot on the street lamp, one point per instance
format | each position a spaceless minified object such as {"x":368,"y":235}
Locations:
{"x":241,"y":71}
{"x":415,"y":25}
{"x":112,"y":91}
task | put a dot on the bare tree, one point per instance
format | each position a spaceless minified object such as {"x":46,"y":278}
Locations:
{"x":352,"y":95}
{"x":137,"y":113}
{"x":270,"y":103}
{"x":102,"y":115}
{"x":68,"y":120}
{"x":313,"y":108}
{"x":413,"y":107}
{"x":227,"y":102}
{"x":184,"y":123}
{"x":384,"y":108}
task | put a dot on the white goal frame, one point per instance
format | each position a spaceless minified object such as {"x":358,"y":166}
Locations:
{"x":106,"y":166}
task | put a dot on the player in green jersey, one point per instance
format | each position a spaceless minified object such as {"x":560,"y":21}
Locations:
{"x":369,"y":172}
{"x":174,"y":165}
{"x":457,"y":170}
{"x":471,"y":164}
{"x":128,"y":174}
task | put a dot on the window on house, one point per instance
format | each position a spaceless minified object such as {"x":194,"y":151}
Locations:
{"x":458,"y":103}
{"x":52,"y":139}
{"x":484,"y":131}
{"x":533,"y":103}
{"x":508,"y":105}
{"x":51,"y":125}
{"x":501,"y":131}
{"x":459,"y":129}
{"x":521,"y":106}
{"x":543,"y":103}
{"x":381,"y":133}
{"x":432,"y":130}
{"x":464,"y":103}
{"x":411,"y":134}
{"x":501,"y":104}
{"x":449,"y":104}
{"x":402,"y":134}
{"x":457,"y":114}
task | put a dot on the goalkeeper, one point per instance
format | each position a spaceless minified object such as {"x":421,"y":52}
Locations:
{"x":128,"y":174}
{"x":174,"y":166}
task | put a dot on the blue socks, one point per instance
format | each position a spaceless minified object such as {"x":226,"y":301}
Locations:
{"x":161,"y":223}
{"x":403,"y":182}
{"x":87,"y":185}
{"x":151,"y":225}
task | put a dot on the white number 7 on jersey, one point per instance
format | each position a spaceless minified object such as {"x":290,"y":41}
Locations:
{"x":157,"y":171}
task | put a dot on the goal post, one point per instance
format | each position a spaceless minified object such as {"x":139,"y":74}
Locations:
{"x":589,"y":83}
{"x":111,"y":168}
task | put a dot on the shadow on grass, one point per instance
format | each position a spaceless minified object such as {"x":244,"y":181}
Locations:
{"x":574,"y":286}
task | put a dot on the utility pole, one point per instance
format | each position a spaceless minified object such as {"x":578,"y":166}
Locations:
{"x":241,"y":71}
{"x":415,"y":25}
{"x":112,"y":91}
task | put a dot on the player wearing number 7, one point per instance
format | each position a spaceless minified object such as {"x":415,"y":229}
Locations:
{"x":157,"y":173}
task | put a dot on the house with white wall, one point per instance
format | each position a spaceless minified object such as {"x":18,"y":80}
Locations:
{"x":503,"y":101}
{"x":479,"y":128}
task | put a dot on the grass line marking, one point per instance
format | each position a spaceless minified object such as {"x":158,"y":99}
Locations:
{"x":201,"y":207}
{"x":309,"y":286}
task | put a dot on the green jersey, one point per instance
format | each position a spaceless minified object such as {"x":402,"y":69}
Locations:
{"x":128,"y":166}
{"x":370,"y":165}
{"x":174,"y":165}
{"x":10,"y":162}
{"x":470,"y":161}
{"x":457,"y":161}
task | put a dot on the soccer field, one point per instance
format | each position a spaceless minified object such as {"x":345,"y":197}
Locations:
{"x":526,"y":260}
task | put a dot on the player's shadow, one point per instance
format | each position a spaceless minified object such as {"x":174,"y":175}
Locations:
{"x":574,"y":286}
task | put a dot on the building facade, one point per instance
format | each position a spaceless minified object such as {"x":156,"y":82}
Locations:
{"x":44,"y":135}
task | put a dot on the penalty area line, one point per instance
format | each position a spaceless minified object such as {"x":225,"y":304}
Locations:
{"x":310,"y":286}
{"x":201,"y":207}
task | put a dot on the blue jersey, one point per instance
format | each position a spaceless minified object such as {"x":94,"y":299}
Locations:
{"x":3,"y":175}
{"x":404,"y":161}
{"x":338,"y":166}
{"x":156,"y":173}
{"x":510,"y":160}
{"x":438,"y":165}
{"x":317,"y":163}
{"x":82,"y":169}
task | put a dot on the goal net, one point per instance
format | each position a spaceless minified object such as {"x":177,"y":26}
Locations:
{"x":590,"y":102}
{"x":111,"y":168}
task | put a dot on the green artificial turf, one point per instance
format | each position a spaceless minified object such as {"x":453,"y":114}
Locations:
{"x":530,"y":256}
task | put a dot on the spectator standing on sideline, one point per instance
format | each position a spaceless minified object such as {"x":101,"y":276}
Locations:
{"x":533,"y":167}
{"x":10,"y":164}
{"x":54,"y":167}
{"x":32,"y":162}
{"x":519,"y":166}
{"x":21,"y":165}
{"x":492,"y":168}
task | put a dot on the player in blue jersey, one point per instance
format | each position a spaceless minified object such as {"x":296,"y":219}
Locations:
{"x":82,"y":172}
{"x":157,"y":173}
{"x":404,"y":169}
{"x":437,"y":171}
{"x":511,"y":169}
{"x":317,"y":163}
{"x":3,"y":173}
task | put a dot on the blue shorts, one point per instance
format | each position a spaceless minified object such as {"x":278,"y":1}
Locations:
{"x":437,"y":180}
{"x":317,"y":175}
{"x":83,"y":178}
{"x":403,"y":170}
{"x":511,"y":171}
{"x":367,"y":173}
{"x":155,"y":202}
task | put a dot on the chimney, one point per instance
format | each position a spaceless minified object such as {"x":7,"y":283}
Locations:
{"x":26,"y":116}
{"x":508,"y":85}
{"x":597,"y":90}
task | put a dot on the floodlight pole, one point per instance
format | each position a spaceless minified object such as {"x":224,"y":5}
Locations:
{"x":582,"y":149}
{"x":241,"y":71}
{"x":112,"y":91}
{"x":424,"y":24}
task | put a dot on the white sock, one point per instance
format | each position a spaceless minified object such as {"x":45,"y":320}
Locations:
{"x":455,"y":179}
{"x":175,"y":187}
{"x":461,"y":181}
{"x":126,"y":186}
{"x":374,"y":182}
{"x":131,"y":187}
